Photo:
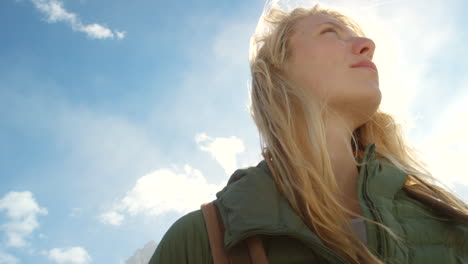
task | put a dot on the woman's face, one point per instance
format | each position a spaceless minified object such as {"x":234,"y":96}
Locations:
{"x":321,"y":59}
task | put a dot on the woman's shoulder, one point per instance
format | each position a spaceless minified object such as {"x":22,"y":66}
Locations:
{"x":191,"y":222}
{"x":186,"y":241}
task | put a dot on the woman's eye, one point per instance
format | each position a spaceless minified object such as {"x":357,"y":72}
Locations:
{"x":329,"y":30}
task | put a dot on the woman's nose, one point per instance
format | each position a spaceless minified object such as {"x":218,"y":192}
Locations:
{"x":364,"y":46}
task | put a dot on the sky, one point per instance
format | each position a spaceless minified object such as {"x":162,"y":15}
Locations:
{"x":119,"y":117}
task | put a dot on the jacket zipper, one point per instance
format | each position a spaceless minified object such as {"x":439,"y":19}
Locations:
{"x":376,"y":217}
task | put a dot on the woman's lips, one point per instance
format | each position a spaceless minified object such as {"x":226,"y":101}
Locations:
{"x":366,"y":64}
{"x":366,"y":68}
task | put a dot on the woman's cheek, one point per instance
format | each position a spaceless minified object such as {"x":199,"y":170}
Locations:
{"x":340,"y":42}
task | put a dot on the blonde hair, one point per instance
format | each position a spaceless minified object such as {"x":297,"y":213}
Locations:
{"x":293,"y":141}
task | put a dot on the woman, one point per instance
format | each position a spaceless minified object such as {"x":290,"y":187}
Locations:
{"x":338,"y":184}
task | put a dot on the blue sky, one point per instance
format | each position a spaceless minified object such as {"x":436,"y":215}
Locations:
{"x":118,"y":117}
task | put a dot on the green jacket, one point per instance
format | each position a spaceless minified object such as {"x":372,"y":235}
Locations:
{"x":250,"y":204}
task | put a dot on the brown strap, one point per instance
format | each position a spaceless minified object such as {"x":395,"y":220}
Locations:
{"x":215,"y":233}
{"x":239,"y":254}
{"x":256,"y":250}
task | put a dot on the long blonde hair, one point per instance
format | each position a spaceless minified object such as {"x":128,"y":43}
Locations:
{"x":293,"y":141}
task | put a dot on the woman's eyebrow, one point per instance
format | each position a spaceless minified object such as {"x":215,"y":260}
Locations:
{"x":338,"y":26}
{"x":333,"y":24}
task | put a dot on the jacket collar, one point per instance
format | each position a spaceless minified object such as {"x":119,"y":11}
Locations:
{"x":250,"y":204}
{"x":380,"y":176}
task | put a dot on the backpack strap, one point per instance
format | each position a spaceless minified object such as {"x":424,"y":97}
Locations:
{"x":253,"y":252}
{"x":215,"y":233}
{"x":256,"y":250}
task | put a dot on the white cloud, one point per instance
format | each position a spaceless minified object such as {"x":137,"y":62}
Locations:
{"x":6,"y":258}
{"x":54,"y":11}
{"x":445,"y":149}
{"x":72,"y":255}
{"x":166,"y":190}
{"x":175,"y":189}
{"x":121,"y":34}
{"x":97,"y":31}
{"x":111,"y":218}
{"x":143,"y":255}
{"x":21,"y":211}
{"x":223,"y":150}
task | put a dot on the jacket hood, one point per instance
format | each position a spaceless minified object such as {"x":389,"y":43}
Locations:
{"x":250,"y":204}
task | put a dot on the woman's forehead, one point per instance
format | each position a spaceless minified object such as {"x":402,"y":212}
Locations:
{"x":313,"y":22}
